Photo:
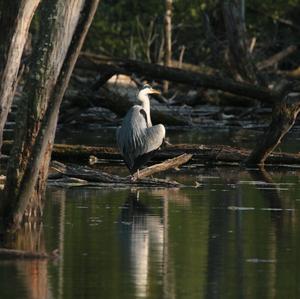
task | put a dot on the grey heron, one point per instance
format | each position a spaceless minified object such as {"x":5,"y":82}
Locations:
{"x":137,"y":139}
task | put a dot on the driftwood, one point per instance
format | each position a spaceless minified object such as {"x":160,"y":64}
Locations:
{"x":105,"y":179}
{"x":276,"y":57}
{"x":158,"y":72}
{"x":6,"y":253}
{"x":170,"y":163}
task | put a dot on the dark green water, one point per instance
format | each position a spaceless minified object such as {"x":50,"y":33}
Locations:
{"x":232,"y":237}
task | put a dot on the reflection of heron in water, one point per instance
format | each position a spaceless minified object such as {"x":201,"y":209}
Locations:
{"x":140,"y":230}
{"x":137,"y":139}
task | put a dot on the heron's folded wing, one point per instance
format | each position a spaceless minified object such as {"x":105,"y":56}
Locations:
{"x":130,"y":136}
{"x":153,"y":138}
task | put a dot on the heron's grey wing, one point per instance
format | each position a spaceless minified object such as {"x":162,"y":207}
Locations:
{"x":130,"y":135}
{"x":153,"y":138}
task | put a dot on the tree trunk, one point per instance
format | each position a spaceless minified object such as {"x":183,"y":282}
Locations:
{"x":240,"y":58}
{"x":168,"y":39}
{"x":65,"y":24}
{"x":285,"y":112}
{"x":15,"y":18}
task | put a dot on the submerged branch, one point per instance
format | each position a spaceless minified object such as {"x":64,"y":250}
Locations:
{"x":6,"y":253}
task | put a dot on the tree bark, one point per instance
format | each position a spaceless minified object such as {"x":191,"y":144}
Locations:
{"x":65,"y":25}
{"x":15,"y":19}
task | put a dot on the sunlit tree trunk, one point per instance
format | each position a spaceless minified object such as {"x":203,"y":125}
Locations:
{"x":168,"y":39}
{"x":63,"y":29}
{"x":15,"y":19}
{"x":236,"y":32}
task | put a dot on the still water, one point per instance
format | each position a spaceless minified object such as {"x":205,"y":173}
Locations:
{"x":235,"y":235}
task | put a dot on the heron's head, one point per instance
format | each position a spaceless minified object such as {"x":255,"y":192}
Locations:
{"x":146,"y":90}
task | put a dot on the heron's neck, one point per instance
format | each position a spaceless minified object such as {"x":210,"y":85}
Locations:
{"x":144,"y":98}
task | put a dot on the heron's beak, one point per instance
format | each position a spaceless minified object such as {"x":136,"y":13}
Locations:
{"x":154,"y":91}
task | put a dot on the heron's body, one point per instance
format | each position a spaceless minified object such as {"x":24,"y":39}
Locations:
{"x":137,"y":139}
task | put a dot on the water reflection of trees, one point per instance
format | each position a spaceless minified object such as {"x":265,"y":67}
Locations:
{"x":250,"y":232}
{"x":33,"y":274}
{"x":166,"y":243}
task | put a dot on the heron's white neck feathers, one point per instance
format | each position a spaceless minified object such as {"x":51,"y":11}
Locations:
{"x":144,"y":98}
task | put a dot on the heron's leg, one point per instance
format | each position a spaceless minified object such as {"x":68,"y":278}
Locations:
{"x":134,"y":176}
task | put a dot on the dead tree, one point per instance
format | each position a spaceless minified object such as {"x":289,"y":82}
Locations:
{"x":285,"y":112}
{"x":15,"y":19}
{"x":240,"y":58}
{"x":168,"y":39}
{"x":63,"y":29}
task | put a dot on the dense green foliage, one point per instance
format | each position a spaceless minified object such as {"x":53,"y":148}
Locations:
{"x":124,"y":28}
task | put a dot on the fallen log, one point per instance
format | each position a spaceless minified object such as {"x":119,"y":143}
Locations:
{"x":120,"y":104}
{"x":158,"y":72}
{"x":202,"y":154}
{"x":105,"y":179}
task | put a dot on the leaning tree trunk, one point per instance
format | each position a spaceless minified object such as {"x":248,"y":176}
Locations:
{"x":168,"y":39}
{"x":15,"y":18}
{"x":64,"y":27}
{"x":285,"y":112}
{"x":240,"y":59}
